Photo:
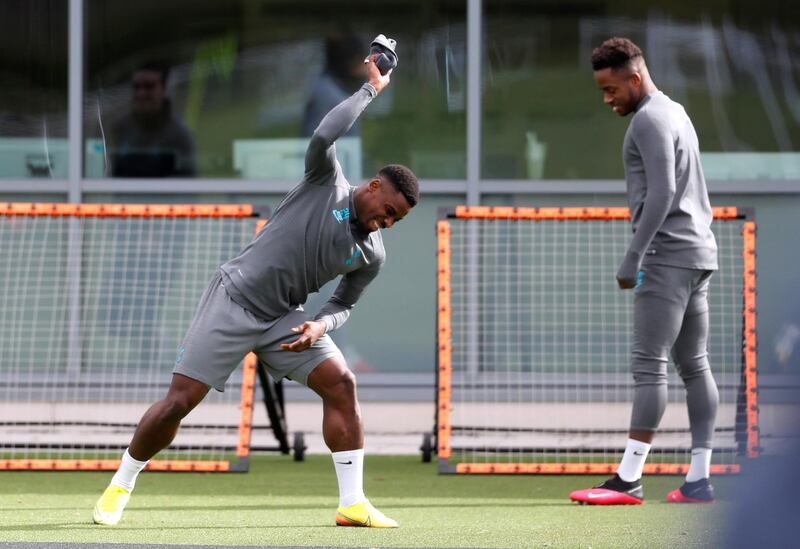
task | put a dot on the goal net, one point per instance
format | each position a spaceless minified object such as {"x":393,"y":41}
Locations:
{"x":534,"y":342}
{"x":94,"y":302}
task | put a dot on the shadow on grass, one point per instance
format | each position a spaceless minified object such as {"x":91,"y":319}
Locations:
{"x":300,"y":506}
{"x":86,"y":526}
{"x":278,"y":507}
{"x":44,"y":527}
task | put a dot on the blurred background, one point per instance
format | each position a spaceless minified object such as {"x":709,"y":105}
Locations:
{"x":493,"y":102}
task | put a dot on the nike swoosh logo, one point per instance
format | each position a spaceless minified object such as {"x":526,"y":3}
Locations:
{"x":345,"y":462}
{"x":696,"y":453}
{"x":367,"y":522}
{"x":635,"y":453}
{"x":595,"y":496}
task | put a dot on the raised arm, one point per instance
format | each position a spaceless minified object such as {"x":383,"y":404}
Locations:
{"x":655,"y":142}
{"x":321,"y":152}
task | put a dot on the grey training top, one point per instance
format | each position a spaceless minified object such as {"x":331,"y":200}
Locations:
{"x":667,"y":193}
{"x":313,"y":236}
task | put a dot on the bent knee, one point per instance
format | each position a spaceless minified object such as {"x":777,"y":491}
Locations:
{"x":345,"y":383}
{"x":649,"y":374}
{"x":339,"y":388}
{"x":692,"y":368}
{"x":177,"y":405}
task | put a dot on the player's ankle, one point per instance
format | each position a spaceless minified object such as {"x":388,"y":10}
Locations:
{"x":352,"y":499}
{"x":626,"y":482}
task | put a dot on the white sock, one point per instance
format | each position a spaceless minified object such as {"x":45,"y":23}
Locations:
{"x":700,"y":466}
{"x":128,"y":470}
{"x":630,"y":468}
{"x":350,"y":474}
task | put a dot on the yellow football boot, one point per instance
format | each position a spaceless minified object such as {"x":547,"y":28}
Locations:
{"x":108,"y":509}
{"x":363,"y":514}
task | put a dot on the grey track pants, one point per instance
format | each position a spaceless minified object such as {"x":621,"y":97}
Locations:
{"x":671,"y":316}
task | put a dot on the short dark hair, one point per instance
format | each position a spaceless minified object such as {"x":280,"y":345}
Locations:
{"x":342,"y":52}
{"x":155,"y":65}
{"x":403,"y":180}
{"x":615,"y":53}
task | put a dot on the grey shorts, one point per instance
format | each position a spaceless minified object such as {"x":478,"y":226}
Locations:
{"x":222,"y":333}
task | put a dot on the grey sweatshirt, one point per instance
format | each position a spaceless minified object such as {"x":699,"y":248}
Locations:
{"x":313,"y":236}
{"x":667,"y":194}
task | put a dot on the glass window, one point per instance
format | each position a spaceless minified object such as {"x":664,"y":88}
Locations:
{"x":38,"y":197}
{"x":392,"y":328}
{"x":777,"y":271}
{"x":33,"y":97}
{"x":732,"y":65}
{"x":234,"y":89}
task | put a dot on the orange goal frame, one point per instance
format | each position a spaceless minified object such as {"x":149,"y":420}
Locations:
{"x":444,"y":339}
{"x":249,"y":363}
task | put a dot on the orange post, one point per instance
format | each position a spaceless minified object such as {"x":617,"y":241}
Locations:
{"x":248,"y":390}
{"x":573,"y":213}
{"x":107,"y":465}
{"x":750,"y":342}
{"x":444,"y":338}
{"x":46,"y":209}
{"x":579,"y":469}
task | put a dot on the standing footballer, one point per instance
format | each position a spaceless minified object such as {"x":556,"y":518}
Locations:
{"x":323,"y":228}
{"x":668,"y":265}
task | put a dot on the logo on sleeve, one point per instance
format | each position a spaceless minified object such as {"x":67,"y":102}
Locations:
{"x":356,"y":255}
{"x":341,"y":215}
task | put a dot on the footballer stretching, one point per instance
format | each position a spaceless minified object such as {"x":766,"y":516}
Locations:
{"x":324,"y":228}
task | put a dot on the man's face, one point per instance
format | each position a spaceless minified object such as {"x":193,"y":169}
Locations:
{"x":620,"y":88}
{"x":381,"y":206}
{"x":148,"y":92}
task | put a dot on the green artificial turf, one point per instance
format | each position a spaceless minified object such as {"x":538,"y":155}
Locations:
{"x":282,"y":502}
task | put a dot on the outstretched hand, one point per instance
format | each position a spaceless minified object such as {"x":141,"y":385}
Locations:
{"x":311,"y":331}
{"x":374,"y":76}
